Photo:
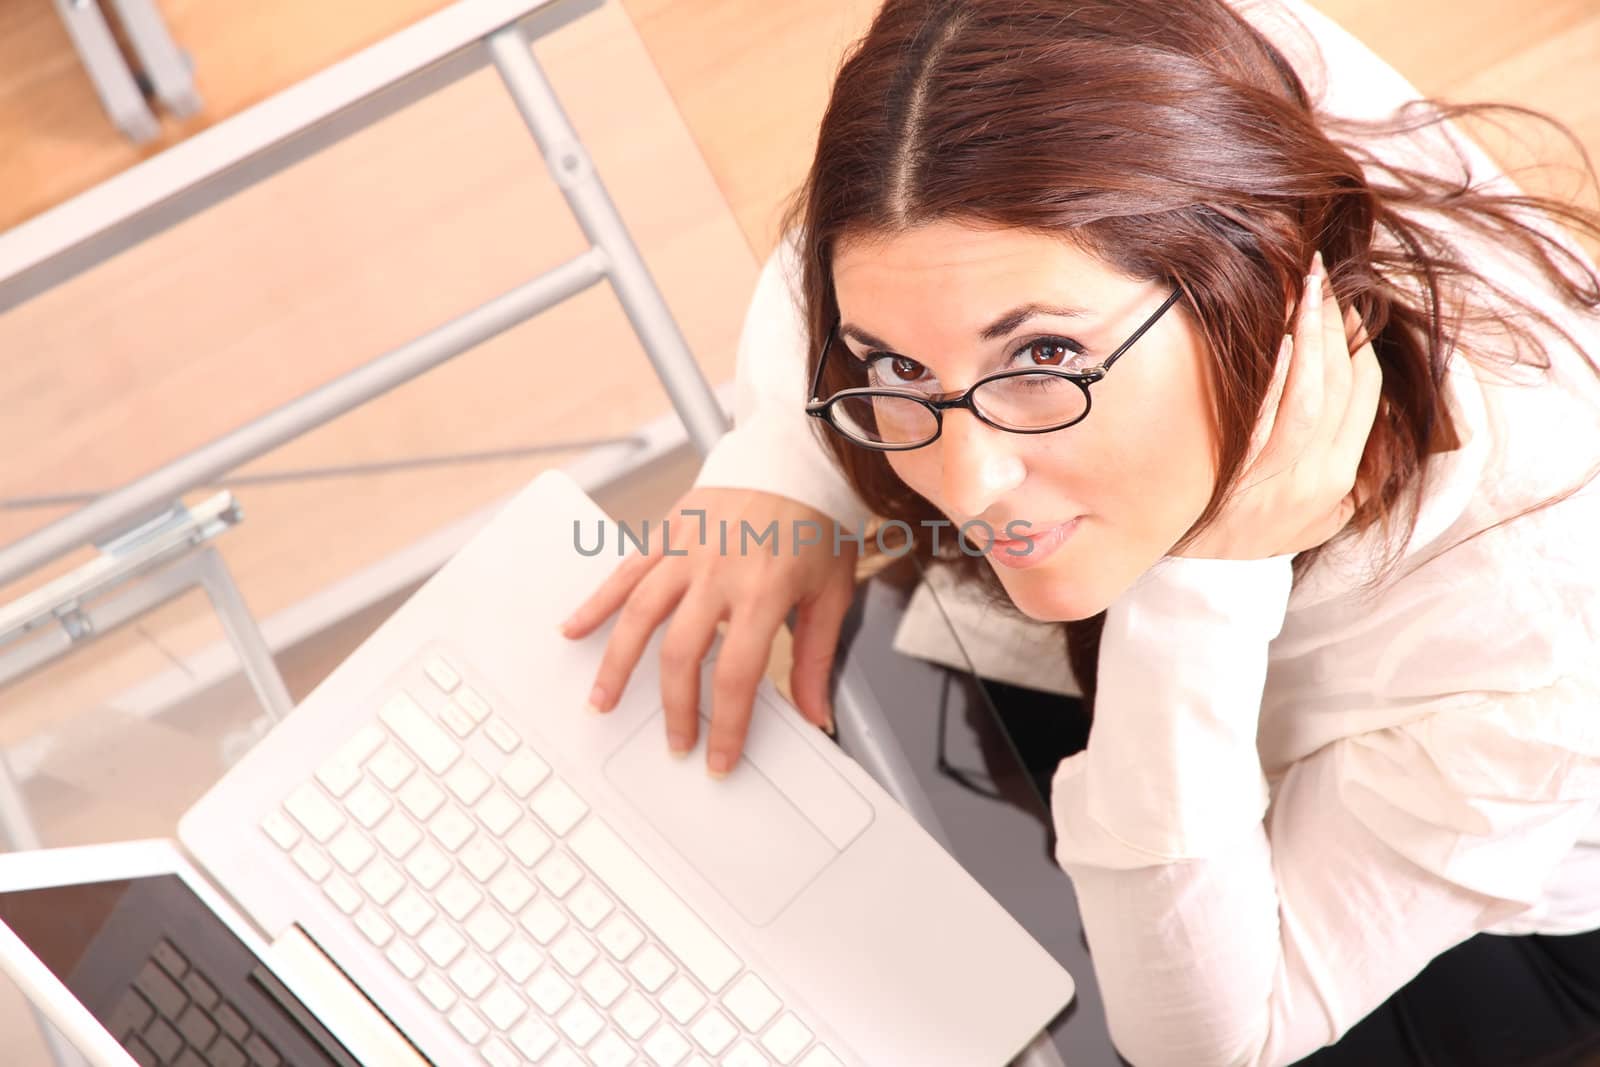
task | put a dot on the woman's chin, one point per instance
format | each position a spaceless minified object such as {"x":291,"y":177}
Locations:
{"x":1047,"y":597}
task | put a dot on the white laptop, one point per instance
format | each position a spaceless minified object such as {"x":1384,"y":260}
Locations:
{"x":441,"y":857}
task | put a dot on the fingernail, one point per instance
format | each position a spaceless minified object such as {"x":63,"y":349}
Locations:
{"x":1317,"y":266}
{"x":563,"y":626}
{"x":597,"y":698}
{"x":678,"y":745}
{"x":718,"y":765}
{"x":830,"y":728}
{"x":592,"y":710}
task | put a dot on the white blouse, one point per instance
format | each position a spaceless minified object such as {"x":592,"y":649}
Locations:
{"x":1294,"y":796}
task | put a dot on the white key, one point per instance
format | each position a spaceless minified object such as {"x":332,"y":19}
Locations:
{"x":604,"y":983}
{"x":498,"y":812}
{"x":680,"y":930}
{"x":441,"y":944}
{"x":786,"y":1038}
{"x":820,"y":1056}
{"x":481,"y":858}
{"x":468,"y":1024}
{"x":373,"y":927}
{"x":351,"y":849}
{"x":559,"y":874}
{"x":467,"y":781}
{"x":558,"y":806}
{"x":497,"y":1054}
{"x":451,"y":827}
{"x":543,"y":920}
{"x":634,"y":1014}
{"x":459,"y":722}
{"x":682,"y":1000}
{"x":345,"y":896}
{"x":472,"y":974}
{"x":472,"y":702}
{"x":367,"y":803}
{"x":397,"y":834}
{"x":523,"y":772}
{"x":534,"y":1038}
{"x":580,"y":1022}
{"x":343,"y":771}
{"x":527,"y":842}
{"x":391,"y":767}
{"x":751,"y":1002}
{"x":620,"y":936}
{"x":745,"y":1054}
{"x":421,"y":797}
{"x":381,"y":881}
{"x":426,"y":739}
{"x":549,"y":990}
{"x":502,"y":1007}
{"x":573,"y":952}
{"x":314,"y":811}
{"x":406,"y":960}
{"x":714,"y":1031}
{"x":410,"y":912}
{"x":362,"y":745}
{"x":564,"y":1057}
{"x":651,"y":967}
{"x":488,"y":929}
{"x":339,"y":777}
{"x":284,"y":833}
{"x":609,"y":1050}
{"x":666,"y":1047}
{"x":436,"y":991}
{"x":458,"y":897}
{"x":511,"y":889}
{"x":502,"y":733}
{"x":313,"y":863}
{"x":589,"y":905}
{"x":428,"y":865}
{"x":519,"y":959}
{"x":444,"y":675}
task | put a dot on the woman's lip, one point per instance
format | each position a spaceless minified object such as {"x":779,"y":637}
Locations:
{"x":1035,"y":548}
{"x":1037,"y":533}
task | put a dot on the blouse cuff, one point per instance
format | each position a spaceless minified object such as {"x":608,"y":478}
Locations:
{"x":1171,"y":770}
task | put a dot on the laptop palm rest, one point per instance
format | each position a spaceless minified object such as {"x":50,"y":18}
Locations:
{"x":751,"y":834}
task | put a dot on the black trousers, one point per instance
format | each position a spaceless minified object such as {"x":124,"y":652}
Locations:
{"x":1491,"y":1001}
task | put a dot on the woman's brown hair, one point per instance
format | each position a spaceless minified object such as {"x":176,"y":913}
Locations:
{"x":1173,"y":141}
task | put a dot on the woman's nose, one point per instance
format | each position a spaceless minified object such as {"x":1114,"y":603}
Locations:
{"x":979,"y":463}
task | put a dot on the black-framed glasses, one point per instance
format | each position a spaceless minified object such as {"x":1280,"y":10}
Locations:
{"x":1024,"y":400}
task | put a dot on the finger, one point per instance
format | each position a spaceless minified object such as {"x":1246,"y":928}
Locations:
{"x":1301,"y":407}
{"x":1366,"y":390}
{"x":683,"y":651}
{"x":741,"y":664}
{"x":604,"y":601}
{"x":1269,"y":407}
{"x":816,"y":639}
{"x":657,"y":595}
{"x":1336,"y":360}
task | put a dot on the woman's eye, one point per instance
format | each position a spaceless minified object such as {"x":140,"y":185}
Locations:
{"x":1048,"y":352}
{"x":897,"y":370}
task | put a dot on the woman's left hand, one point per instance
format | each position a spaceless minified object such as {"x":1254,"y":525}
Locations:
{"x":1297,"y":489}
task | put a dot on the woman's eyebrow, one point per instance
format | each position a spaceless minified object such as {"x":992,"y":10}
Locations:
{"x":1018,"y":315}
{"x":999,"y":328}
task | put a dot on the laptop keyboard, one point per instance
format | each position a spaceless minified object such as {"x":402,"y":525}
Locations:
{"x":518,"y":913}
{"x":173,"y":1016}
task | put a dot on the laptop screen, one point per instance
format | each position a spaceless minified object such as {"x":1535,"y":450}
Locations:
{"x":165,"y":976}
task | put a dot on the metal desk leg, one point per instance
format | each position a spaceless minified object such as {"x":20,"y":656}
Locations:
{"x":574,"y":172}
{"x":102,"y":59}
{"x":169,"y":70}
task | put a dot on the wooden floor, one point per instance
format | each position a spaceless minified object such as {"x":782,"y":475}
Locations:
{"x":701,"y":115}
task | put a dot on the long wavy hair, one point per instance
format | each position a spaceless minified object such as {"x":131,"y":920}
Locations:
{"x":1176,"y":143}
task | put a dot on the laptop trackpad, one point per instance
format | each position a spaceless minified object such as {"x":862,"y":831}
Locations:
{"x":742,"y":833}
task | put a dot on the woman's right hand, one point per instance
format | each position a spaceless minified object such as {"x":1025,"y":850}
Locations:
{"x":752,"y":591}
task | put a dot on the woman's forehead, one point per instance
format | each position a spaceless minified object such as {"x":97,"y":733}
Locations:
{"x":948,"y":277}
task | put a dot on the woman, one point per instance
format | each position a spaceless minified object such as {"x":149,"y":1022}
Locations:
{"x":1292,"y":426}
